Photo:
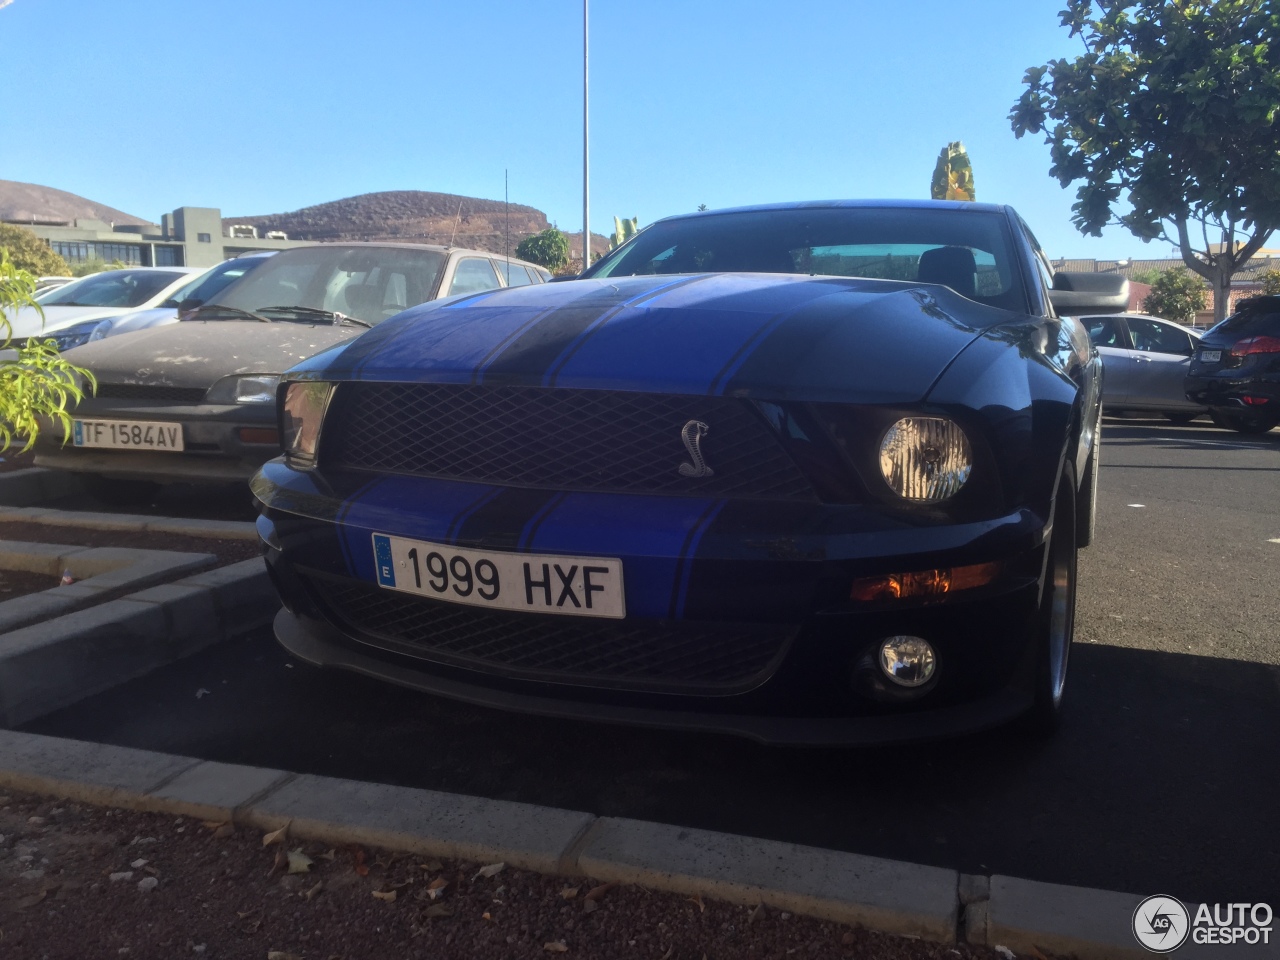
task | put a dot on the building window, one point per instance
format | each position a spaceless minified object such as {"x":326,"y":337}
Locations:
{"x":168,"y":256}
{"x":130,"y":254}
{"x":204,"y":238}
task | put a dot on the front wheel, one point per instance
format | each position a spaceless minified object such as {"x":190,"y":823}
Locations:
{"x":1056,"y":618}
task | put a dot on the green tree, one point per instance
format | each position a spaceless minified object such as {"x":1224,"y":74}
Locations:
{"x":550,"y":249}
{"x":1146,"y":276}
{"x":36,"y":383}
{"x":86,"y":267}
{"x":1171,"y":109}
{"x":1176,"y":295}
{"x":1270,"y":283}
{"x":28,"y":252}
{"x":952,"y":174}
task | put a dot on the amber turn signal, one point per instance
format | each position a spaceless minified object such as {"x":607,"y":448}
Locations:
{"x":923,"y":583}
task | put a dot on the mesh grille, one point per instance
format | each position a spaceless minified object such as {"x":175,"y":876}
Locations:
{"x":139,"y":391}
{"x":562,"y":439}
{"x":639,"y":654}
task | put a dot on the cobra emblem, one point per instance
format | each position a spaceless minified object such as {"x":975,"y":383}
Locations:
{"x":692,"y":435}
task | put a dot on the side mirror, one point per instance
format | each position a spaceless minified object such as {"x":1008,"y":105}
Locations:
{"x":1075,"y":294}
{"x":189,"y":304}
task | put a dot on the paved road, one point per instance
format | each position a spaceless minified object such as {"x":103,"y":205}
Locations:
{"x":1165,"y":778}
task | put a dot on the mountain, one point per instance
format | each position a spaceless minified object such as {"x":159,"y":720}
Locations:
{"x":411,"y":216}
{"x":32,"y":203}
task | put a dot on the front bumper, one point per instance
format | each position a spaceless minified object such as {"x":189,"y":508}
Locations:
{"x":213,"y":448}
{"x":760,"y":573}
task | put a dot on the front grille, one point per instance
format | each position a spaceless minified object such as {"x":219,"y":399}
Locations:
{"x":674,"y":656}
{"x":157,"y":393}
{"x":558,"y":439}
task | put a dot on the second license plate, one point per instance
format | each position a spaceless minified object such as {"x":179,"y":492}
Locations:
{"x":1210,"y":356}
{"x":127,"y":435}
{"x":534,"y":583}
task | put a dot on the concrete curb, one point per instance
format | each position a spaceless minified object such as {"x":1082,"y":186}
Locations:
{"x":97,"y":570}
{"x":50,"y":665}
{"x":886,"y":895}
{"x":218,"y":529}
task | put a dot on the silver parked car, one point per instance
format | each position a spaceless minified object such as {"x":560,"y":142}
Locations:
{"x":195,"y":400}
{"x":1145,"y":361}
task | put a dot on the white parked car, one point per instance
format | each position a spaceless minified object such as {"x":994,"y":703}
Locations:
{"x":98,"y":296}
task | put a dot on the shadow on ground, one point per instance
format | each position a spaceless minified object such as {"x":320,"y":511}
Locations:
{"x":1164,"y":779}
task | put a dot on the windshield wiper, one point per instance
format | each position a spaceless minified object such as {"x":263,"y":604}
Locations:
{"x":331,"y":315}
{"x":230,"y":311}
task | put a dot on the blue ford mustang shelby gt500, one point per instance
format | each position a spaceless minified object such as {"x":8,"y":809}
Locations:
{"x":807,"y":473}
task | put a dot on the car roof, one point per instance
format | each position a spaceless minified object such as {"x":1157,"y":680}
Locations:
{"x":853,"y":204}
{"x":434,"y":247}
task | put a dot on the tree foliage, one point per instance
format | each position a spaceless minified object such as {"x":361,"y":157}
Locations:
{"x":37,"y":383}
{"x":28,"y":252}
{"x":550,"y":249}
{"x":1270,"y":283}
{"x":1172,"y":109}
{"x":953,"y":174}
{"x":1176,"y":295}
{"x":86,"y":267}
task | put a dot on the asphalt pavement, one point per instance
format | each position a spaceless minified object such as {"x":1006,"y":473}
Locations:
{"x":1164,"y":778}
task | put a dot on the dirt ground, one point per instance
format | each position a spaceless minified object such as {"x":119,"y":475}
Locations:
{"x":18,"y":583}
{"x":79,"y":882}
{"x":228,"y":551}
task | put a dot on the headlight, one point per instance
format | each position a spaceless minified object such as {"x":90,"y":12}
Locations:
{"x":925,"y":458}
{"x":79,"y":334}
{"x":301,"y":417}
{"x":254,"y":389}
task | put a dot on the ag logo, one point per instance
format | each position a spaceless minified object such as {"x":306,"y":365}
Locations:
{"x":1161,"y":924}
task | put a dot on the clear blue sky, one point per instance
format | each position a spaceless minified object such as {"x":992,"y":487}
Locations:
{"x":267,"y":106}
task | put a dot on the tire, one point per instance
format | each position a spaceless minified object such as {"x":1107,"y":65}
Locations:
{"x":1253,"y":424}
{"x":1056,"y":617}
{"x":1180,"y":416}
{"x":122,"y":493}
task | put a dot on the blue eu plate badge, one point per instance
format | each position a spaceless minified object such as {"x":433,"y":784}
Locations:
{"x":382,"y":556}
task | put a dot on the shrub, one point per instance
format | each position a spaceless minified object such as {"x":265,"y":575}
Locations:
{"x":549,"y":249}
{"x":1176,"y":295}
{"x":28,"y":252}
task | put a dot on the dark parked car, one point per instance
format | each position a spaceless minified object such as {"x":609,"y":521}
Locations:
{"x":195,"y":400}
{"x":1236,"y":370}
{"x":805,"y":473}
{"x":1145,"y":361}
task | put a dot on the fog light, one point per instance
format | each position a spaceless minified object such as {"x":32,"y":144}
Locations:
{"x":907,"y":661}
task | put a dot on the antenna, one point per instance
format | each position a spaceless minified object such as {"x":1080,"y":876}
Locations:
{"x":506,"y":240}
{"x":455,"y":222}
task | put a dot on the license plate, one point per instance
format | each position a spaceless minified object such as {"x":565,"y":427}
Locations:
{"x":127,"y":435}
{"x":533,"y":583}
{"x":1210,"y":356}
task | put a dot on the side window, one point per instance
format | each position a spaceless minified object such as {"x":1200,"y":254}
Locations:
{"x":1155,"y":337}
{"x":514,"y":274}
{"x":1104,"y":332}
{"x":472,"y":275}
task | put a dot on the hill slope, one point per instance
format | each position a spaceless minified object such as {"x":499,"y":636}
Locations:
{"x":33,"y":203}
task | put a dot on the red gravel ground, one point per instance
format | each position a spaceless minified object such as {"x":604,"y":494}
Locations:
{"x":80,"y":882}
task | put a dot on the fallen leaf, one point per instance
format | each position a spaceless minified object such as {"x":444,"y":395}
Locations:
{"x":590,"y":906}
{"x":697,"y":898}
{"x":435,"y":889}
{"x":276,"y":836}
{"x":281,"y":955}
{"x":281,"y":862}
{"x":556,"y":946}
{"x":492,"y":870}
{"x":667,"y":955}
{"x":751,"y":917}
{"x":568,"y":893}
{"x":314,"y":890}
{"x":357,"y":854}
{"x":223,"y":831}
{"x":486,"y":916}
{"x":1037,"y":954}
{"x":435,"y":866}
{"x":595,"y":893}
{"x":299,"y":862}
{"x":437,"y":910}
{"x":23,"y":902}
{"x":329,"y":855}
{"x":388,"y":895}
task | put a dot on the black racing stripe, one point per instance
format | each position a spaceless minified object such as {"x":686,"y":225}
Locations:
{"x":531,"y":529}
{"x":685,"y":559}
{"x":748,"y":344}
{"x":462,"y":516}
{"x":583,"y":340}
{"x":786,"y":347}
{"x":483,"y":366}
{"x":501,"y":522}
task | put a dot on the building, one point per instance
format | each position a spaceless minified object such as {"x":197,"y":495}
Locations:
{"x":187,"y":237}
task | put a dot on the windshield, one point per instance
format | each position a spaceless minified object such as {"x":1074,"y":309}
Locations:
{"x":114,"y":288}
{"x":1262,"y":317}
{"x":970,"y":252}
{"x":369,"y":283}
{"x":208,"y":285}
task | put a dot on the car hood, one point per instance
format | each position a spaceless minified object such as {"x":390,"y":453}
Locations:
{"x":141,"y":320}
{"x":765,"y":335}
{"x":196,"y":353}
{"x":26,"y":322}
